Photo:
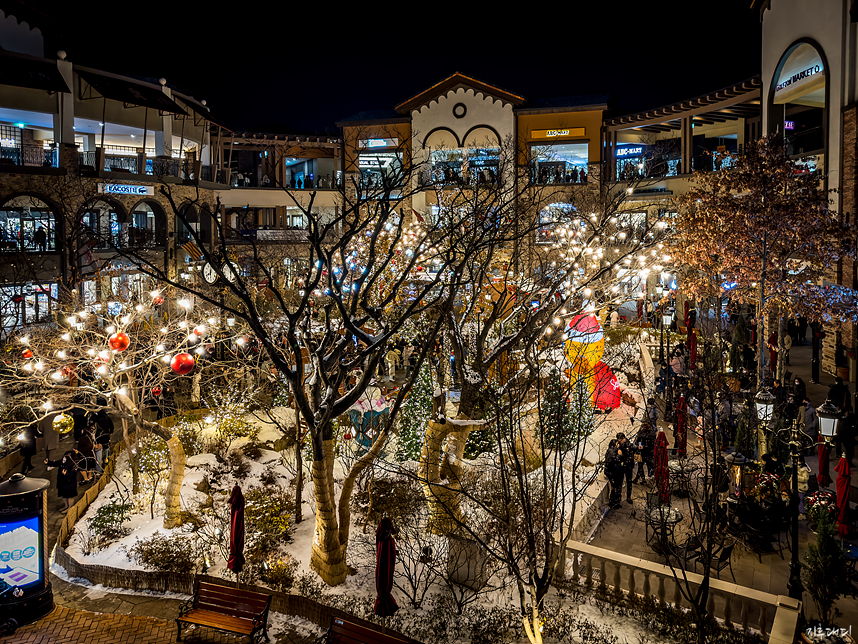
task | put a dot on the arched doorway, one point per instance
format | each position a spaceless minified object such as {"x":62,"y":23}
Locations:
{"x":27,"y":223}
{"x":148,"y":226}
{"x":798,"y":105}
{"x":101,"y":224}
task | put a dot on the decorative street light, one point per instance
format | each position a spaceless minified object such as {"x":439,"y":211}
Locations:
{"x":829,"y":420}
{"x":666,"y":321}
{"x":765,"y":403}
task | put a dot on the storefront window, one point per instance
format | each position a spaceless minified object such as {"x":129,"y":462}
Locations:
{"x":27,"y":224}
{"x":378,"y":168}
{"x":558,"y":223}
{"x":465,"y":165}
{"x":559,"y":163}
{"x":27,"y":304}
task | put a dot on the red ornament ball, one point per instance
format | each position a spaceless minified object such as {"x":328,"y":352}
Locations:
{"x":157,"y":300}
{"x":182,"y":363}
{"x":26,"y":353}
{"x":347,"y":437}
{"x":119,"y":341}
{"x":199,"y":330}
{"x":156,"y":391}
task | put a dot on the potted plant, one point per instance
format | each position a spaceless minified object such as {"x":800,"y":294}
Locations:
{"x":825,"y":579}
{"x":819,"y":504}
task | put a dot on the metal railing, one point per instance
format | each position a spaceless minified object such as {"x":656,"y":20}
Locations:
{"x":87,"y":160}
{"x":34,"y":156}
{"x":613,"y":573}
{"x":120,"y":164}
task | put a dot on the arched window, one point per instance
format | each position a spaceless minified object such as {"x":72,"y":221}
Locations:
{"x":101,"y":225}
{"x":147,"y":228}
{"x":27,"y":224}
{"x":799,"y":103}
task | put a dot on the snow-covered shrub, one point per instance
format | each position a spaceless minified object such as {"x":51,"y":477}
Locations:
{"x":108,"y":522}
{"x":167,"y":553}
{"x":279,"y":572}
{"x":398,"y":497}
{"x":239,"y":467}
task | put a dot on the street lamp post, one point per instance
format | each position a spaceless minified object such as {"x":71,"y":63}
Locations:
{"x":794,"y":585}
{"x":666,"y":321}
{"x":659,"y":289}
{"x":764,"y":401}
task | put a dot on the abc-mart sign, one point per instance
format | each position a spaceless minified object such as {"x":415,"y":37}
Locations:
{"x":126,"y":189}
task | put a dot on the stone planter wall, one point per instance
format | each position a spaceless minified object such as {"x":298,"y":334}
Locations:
{"x":109,"y":577}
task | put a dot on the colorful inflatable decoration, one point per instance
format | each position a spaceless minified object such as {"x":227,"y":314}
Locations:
{"x":607,"y":394}
{"x":585,"y":343}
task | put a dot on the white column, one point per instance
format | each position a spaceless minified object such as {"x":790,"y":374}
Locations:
{"x":164,"y":138}
{"x":64,"y":116}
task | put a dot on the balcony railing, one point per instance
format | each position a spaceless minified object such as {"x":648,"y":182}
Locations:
{"x":120,"y":164}
{"x":34,"y":156}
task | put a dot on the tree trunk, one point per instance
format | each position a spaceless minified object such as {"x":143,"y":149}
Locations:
{"x":172,"y":505}
{"x":132,"y":457}
{"x":441,"y":473}
{"x":328,"y":558}
{"x":299,"y":464}
{"x":781,"y":351}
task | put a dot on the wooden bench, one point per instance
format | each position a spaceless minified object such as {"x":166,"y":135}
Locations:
{"x":343,"y":632}
{"x":240,"y":612}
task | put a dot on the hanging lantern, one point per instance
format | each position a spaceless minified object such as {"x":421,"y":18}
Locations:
{"x":119,"y":341}
{"x":156,"y":391}
{"x":63,"y":423}
{"x":182,"y":363}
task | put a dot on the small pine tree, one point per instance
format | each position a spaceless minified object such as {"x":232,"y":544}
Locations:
{"x":580,"y":415}
{"x":415,"y":413}
{"x":824,"y":572}
{"x":555,"y":421}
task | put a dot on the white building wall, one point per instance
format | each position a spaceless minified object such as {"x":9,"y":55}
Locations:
{"x":827,"y":23}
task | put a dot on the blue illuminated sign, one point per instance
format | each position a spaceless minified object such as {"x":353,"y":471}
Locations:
{"x":631,"y":151}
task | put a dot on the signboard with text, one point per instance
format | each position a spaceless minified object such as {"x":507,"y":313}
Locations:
{"x":126,"y":189}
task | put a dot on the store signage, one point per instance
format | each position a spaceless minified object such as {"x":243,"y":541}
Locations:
{"x":804,"y":73}
{"x":125,"y":189}
{"x":378,"y":143}
{"x":558,"y":134}
{"x":789,"y":125}
{"x":633,"y":151}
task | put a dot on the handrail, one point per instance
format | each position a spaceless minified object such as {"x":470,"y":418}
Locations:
{"x":775,"y":616}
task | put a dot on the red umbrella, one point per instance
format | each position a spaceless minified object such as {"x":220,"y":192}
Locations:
{"x":822,"y":478}
{"x":844,"y":480}
{"x":236,"y":532}
{"x":662,"y":474}
{"x":681,"y":438}
{"x":385,"y":563}
{"x":692,"y":348}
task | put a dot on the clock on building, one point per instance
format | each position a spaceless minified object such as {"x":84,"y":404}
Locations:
{"x":209,"y":274}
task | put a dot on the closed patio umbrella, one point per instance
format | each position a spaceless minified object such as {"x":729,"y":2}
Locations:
{"x":692,"y":349}
{"x":385,"y":563}
{"x":662,"y":475}
{"x":823,"y":478}
{"x":236,"y":532}
{"x":681,"y":417}
{"x":844,"y":481}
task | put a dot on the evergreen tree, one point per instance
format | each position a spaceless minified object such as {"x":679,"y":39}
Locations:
{"x":413,"y":416}
{"x":824,"y":572}
{"x":554,"y":417}
{"x":580,"y":415}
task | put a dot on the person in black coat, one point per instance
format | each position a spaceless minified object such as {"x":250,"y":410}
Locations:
{"x":614,"y":473}
{"x":71,"y":462}
{"x":626,"y":451}
{"x":799,"y":389}
{"x":645,"y":441}
{"x":27,"y":447}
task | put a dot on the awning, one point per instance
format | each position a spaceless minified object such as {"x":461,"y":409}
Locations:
{"x":203,"y":111}
{"x":19,"y":70}
{"x":129,"y":92}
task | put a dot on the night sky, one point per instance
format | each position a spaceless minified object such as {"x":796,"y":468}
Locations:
{"x":303,"y":66}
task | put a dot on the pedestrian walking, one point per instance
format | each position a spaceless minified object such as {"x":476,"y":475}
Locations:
{"x":645,"y":456}
{"x":27,"y":447}
{"x":70,"y":464}
{"x":626,"y":452}
{"x":787,"y":347}
{"x":614,"y":473}
{"x":86,"y":446}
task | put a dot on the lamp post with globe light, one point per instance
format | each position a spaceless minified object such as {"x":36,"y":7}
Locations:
{"x":666,"y":321}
